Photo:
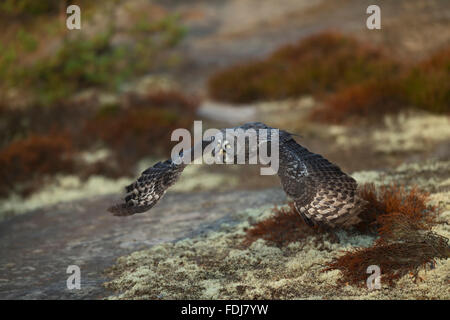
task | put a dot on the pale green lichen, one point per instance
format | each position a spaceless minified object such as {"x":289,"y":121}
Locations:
{"x":66,"y":188}
{"x":411,"y":132}
{"x":405,"y":132}
{"x":93,"y":157}
{"x":194,"y":178}
{"x":63,"y":189}
{"x":218,"y":266}
{"x":431,"y":176}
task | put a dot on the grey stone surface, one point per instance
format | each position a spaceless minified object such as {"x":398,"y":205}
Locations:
{"x":36,"y":248}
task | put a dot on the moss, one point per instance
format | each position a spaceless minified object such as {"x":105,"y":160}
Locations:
{"x":220,"y":266}
{"x":409,"y":133}
{"x":63,"y":189}
{"x":194,"y":178}
{"x":428,"y":176}
{"x":405,"y":132}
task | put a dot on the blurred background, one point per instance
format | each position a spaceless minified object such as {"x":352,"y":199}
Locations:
{"x":82,"y":112}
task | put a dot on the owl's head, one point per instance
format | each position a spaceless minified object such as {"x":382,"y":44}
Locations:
{"x":226,"y":148}
{"x":238,"y":145}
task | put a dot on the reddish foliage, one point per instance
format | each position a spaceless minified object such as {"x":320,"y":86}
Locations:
{"x":173,"y":100}
{"x":27,"y":161}
{"x":406,"y":243}
{"x":425,"y":86}
{"x":401,"y":218}
{"x":284,"y":227}
{"x":395,"y":259}
{"x":318,"y":64}
{"x":390,"y":203}
{"x":40,"y":141}
{"x":371,"y":99}
{"x":143,"y":125}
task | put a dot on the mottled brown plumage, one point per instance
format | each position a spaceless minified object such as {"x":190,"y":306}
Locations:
{"x":323,"y":194}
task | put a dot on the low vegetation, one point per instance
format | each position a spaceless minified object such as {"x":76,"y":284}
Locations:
{"x":400,"y":219}
{"x":30,"y":8}
{"x":52,"y":116}
{"x":39,"y":142}
{"x":319,"y":64}
{"x":353,"y":79}
{"x":284,"y":227}
{"x":80,"y":61}
{"x":271,"y":254}
{"x":423,"y":86}
{"x":25,"y":163}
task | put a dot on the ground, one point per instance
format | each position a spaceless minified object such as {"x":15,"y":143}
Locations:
{"x":216,"y":265}
{"x":192,"y":238}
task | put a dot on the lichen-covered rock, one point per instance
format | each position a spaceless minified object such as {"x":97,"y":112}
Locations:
{"x":403,"y":133}
{"x":217,"y":265}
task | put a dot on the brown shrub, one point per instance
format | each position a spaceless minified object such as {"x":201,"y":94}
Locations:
{"x":32,"y":146}
{"x":425,"y":86}
{"x":143,"y":126}
{"x":406,"y":243}
{"x":167,"y":99}
{"x":400,"y":218}
{"x":25,"y":162}
{"x":395,"y":259}
{"x":19,"y":123}
{"x":390,"y":203}
{"x":284,"y":227}
{"x":318,"y":64}
{"x":370,"y":100}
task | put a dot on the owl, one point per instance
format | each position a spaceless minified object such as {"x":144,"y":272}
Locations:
{"x":322,"y":193}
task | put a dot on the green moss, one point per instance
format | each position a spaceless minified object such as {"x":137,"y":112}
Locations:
{"x":86,"y":61}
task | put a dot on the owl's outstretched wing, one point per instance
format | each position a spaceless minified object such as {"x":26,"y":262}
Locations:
{"x":153,"y":183}
{"x":323,"y":194}
{"x":151,"y":186}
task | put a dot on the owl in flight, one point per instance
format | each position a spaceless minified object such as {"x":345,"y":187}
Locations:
{"x":323,"y":195}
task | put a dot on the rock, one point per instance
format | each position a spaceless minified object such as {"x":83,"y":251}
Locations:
{"x":48,"y":240}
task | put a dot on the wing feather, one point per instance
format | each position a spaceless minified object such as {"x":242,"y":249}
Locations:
{"x":323,"y":194}
{"x":149,"y":188}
